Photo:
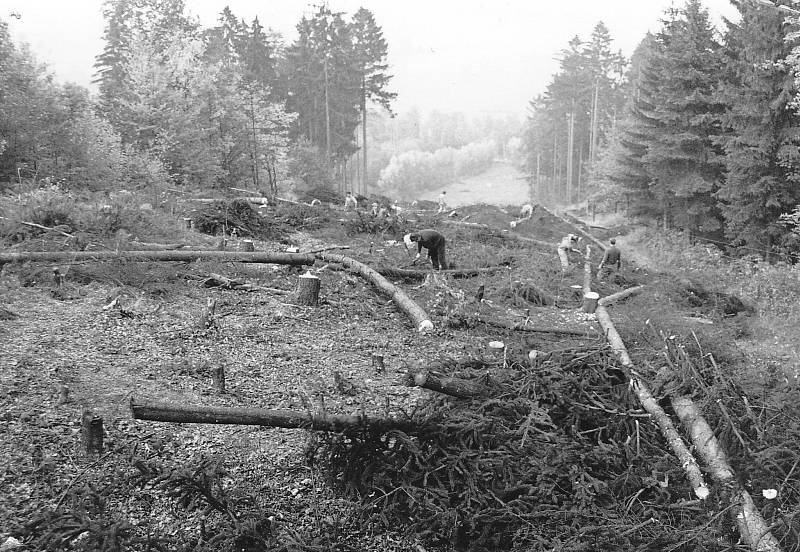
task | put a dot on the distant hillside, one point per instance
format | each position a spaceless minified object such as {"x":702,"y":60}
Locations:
{"x":502,"y":184}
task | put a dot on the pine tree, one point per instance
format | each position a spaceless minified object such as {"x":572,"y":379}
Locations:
{"x":762,"y":131}
{"x":370,"y":50}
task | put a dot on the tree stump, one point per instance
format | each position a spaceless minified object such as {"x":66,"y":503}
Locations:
{"x":187,"y":223}
{"x":247,"y":245}
{"x":377,"y":364}
{"x":91,"y":433}
{"x":590,"y":302}
{"x":307,"y":292}
{"x":218,"y":376}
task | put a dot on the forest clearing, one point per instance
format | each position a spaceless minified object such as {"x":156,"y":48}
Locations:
{"x":555,"y":450}
{"x":268,"y":288}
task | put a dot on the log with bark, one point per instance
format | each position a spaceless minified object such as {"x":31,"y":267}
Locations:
{"x":290,"y":419}
{"x":408,"y":274}
{"x":416,"y":313}
{"x":752,"y":527}
{"x":418,"y":376}
{"x":650,"y":404}
{"x":462,"y":321}
{"x":157,"y":256}
{"x":577,"y":229}
{"x":609,"y":300}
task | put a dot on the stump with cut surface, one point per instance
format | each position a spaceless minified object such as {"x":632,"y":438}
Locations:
{"x":247,"y":245}
{"x":590,"y":302}
{"x":307,"y":292}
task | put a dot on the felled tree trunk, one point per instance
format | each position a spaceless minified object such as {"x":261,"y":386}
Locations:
{"x":307,"y":292}
{"x":421,"y":274}
{"x":156,"y":256}
{"x":457,"y":322}
{"x":416,"y":313}
{"x":290,"y":419}
{"x":752,"y":526}
{"x":650,"y":404}
{"x":455,"y":387}
{"x":609,"y":300}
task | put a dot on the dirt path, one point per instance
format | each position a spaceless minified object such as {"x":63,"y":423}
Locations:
{"x":502,"y":184}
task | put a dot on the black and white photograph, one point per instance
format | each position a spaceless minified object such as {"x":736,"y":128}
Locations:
{"x":399,"y":276}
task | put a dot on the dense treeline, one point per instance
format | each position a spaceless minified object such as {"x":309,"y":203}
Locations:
{"x":182,"y":105}
{"x":703,"y":132}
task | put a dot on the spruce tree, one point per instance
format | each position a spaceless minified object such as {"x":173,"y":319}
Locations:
{"x":762,"y":130}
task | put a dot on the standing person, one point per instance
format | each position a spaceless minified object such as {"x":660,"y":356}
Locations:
{"x":611,"y":257}
{"x":350,"y":202}
{"x":566,"y":245}
{"x":431,"y":240}
{"x":526,"y":212}
{"x":442,"y":203}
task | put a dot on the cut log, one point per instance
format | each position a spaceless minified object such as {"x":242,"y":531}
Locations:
{"x":650,"y":404}
{"x":417,"y":376}
{"x":609,"y":300}
{"x":67,"y":257}
{"x":752,"y":526}
{"x":91,"y":433}
{"x":307,"y":292}
{"x":456,"y":321}
{"x":290,"y":419}
{"x":407,"y":274}
{"x":416,"y":313}
{"x":577,"y":229}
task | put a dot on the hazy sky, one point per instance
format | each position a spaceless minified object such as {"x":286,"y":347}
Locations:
{"x":474,"y":56}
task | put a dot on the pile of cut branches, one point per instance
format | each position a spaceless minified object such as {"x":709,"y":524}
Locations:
{"x":224,"y":216}
{"x":558,"y":457}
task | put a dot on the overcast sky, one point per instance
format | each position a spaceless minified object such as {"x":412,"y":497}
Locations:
{"x":474,"y":56}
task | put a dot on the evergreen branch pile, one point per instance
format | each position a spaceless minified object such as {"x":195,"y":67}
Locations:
{"x":559,"y":457}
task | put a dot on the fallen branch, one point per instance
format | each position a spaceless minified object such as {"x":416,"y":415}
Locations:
{"x":609,"y":300}
{"x":416,"y":313}
{"x":455,"y":387}
{"x":323,"y":249}
{"x":157,"y":256}
{"x":290,"y":419}
{"x":650,"y":404}
{"x":577,"y":229}
{"x":422,"y":274}
{"x":218,"y":280}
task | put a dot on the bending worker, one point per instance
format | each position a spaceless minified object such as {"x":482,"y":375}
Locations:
{"x":610,"y":258}
{"x":431,"y":240}
{"x":566,"y":245}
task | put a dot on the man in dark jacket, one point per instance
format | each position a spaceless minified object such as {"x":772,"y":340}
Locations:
{"x":611,"y":258}
{"x":434,"y":242}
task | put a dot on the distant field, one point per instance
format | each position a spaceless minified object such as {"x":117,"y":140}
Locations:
{"x":500,"y":185}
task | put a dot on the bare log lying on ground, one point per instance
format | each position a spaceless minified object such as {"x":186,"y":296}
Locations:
{"x":434,"y":381}
{"x":290,"y":419}
{"x":218,"y":280}
{"x":422,"y":274}
{"x":460,"y":321}
{"x":609,"y":300}
{"x":157,"y":256}
{"x":650,"y":404}
{"x":416,"y":313}
{"x":578,"y":229}
{"x":752,"y":526}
